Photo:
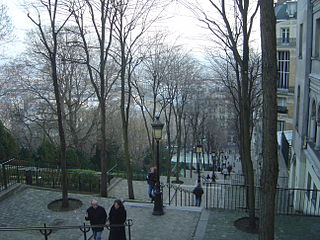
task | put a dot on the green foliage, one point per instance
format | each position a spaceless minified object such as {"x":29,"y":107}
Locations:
{"x":78,"y":159}
{"x":114,"y":157}
{"x":28,"y":154}
{"x":8,"y":146}
{"x":48,"y":152}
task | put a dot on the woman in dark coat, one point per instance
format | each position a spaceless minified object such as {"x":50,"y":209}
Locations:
{"x":117,"y":215}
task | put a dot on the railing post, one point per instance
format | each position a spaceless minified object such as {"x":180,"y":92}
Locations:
{"x":129,"y":228}
{"x":4,"y":173}
{"x":45,"y":232}
{"x":169,"y":193}
{"x":84,"y":230}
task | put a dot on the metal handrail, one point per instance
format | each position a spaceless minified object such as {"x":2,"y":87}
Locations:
{"x":47,"y":230}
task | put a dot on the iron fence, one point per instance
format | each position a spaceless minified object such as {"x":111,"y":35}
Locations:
{"x":10,"y":173}
{"x":46,"y":231}
{"x":179,"y":196}
{"x":288,"y":201}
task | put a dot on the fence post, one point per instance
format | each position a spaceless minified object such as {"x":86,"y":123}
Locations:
{"x":5,"y":180}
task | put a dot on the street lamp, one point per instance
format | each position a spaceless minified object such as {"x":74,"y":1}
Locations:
{"x":157,"y":135}
{"x":198,"y":151}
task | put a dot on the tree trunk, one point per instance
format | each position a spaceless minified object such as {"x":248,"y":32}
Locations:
{"x":63,"y":160}
{"x":103,"y":152}
{"x":269,"y":85}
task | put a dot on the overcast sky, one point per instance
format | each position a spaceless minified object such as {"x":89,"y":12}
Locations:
{"x":182,"y":24}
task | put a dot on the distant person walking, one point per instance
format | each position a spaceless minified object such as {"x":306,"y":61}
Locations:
{"x":229,"y":168}
{"x":198,"y":191}
{"x":117,"y":215}
{"x":225,"y":173}
{"x":97,"y":216}
{"x":151,"y":180}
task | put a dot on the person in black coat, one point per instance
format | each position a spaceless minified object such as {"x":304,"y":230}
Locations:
{"x":117,"y":215}
{"x":198,"y":191}
{"x":97,"y":216}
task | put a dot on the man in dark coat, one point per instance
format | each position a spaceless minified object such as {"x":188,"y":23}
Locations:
{"x":198,"y":191}
{"x":97,"y":216}
{"x":117,"y":216}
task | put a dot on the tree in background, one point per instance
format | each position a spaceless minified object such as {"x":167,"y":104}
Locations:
{"x":8,"y":146}
{"x":230,"y":23}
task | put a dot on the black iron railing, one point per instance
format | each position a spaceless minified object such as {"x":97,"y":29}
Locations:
{"x":46,"y":231}
{"x":179,"y":196}
{"x":289,"y":201}
{"x":11,"y":173}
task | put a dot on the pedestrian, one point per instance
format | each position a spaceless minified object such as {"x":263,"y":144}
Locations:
{"x":198,"y":191}
{"x":97,"y":216}
{"x":151,"y":180}
{"x":225,"y":173}
{"x":229,"y":168}
{"x":213,"y":178}
{"x":117,"y":216}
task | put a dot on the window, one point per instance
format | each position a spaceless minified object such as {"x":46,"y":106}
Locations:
{"x":280,"y":126}
{"x":285,"y":35}
{"x":300,"y":40}
{"x":283,"y":69}
{"x":282,"y":105}
{"x":314,"y":194}
{"x":308,"y":186}
{"x":317,"y":39}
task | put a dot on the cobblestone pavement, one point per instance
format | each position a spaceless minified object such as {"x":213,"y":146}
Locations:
{"x":29,"y":208}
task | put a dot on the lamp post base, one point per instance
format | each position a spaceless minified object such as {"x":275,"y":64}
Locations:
{"x":158,"y":206}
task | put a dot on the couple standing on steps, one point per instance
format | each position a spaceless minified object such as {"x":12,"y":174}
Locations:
{"x":152,"y":180}
{"x":97,"y":215}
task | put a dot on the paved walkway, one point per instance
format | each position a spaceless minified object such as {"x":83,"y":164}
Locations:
{"x":28,"y":207}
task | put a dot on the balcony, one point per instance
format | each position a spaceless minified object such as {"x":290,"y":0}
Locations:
{"x":282,"y":109}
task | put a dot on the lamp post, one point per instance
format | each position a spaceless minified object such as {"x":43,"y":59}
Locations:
{"x":199,"y":151}
{"x":157,"y":135}
{"x":213,"y":158}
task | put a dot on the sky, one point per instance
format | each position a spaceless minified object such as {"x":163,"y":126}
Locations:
{"x":185,"y":29}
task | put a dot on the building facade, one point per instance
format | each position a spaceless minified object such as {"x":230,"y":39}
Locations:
{"x":305,"y":162}
{"x":286,"y":16}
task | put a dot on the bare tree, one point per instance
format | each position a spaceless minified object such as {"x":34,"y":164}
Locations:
{"x":233,"y":27}
{"x":185,"y":74}
{"x":6,"y":27}
{"x":50,"y":44}
{"x":132,"y":21}
{"x":269,"y":85}
{"x":101,"y":71}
